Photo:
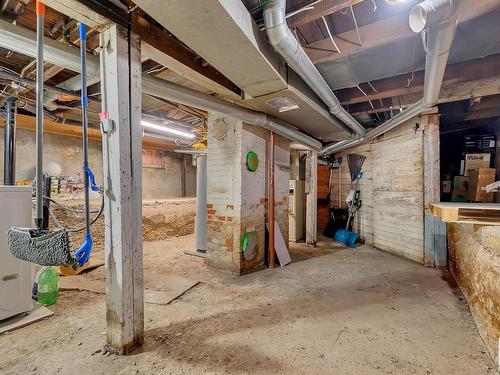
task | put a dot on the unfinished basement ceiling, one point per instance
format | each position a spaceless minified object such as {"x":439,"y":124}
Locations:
{"x":249,"y":63}
{"x":475,"y":38}
{"x":246,"y":58}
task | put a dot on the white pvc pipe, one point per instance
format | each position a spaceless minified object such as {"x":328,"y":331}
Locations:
{"x":200,"y":224}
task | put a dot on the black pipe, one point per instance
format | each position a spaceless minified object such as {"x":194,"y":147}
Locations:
{"x":9,"y":156}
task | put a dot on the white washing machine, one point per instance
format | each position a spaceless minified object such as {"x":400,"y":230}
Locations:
{"x":16,"y":276}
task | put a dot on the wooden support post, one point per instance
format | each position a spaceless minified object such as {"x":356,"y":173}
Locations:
{"x":122,"y":170}
{"x":311,"y":197}
{"x":435,"y":246}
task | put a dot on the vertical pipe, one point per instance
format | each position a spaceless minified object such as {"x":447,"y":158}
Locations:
{"x":271,"y":254}
{"x":9,"y":156}
{"x":201,"y":203}
{"x":83,"y":76}
{"x":40,"y":13}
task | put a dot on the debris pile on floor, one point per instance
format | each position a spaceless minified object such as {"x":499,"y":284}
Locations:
{"x":161,"y":220}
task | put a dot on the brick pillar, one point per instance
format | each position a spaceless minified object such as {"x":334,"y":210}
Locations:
{"x":237,"y":197}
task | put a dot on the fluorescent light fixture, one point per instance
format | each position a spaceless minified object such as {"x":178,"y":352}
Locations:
{"x":166,"y":129}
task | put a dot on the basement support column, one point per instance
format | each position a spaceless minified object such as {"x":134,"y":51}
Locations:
{"x":9,"y":151}
{"x":311,"y":197}
{"x":122,"y":171}
{"x":435,"y":244}
{"x":201,"y":203}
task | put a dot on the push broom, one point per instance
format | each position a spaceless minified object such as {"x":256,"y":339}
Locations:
{"x":39,"y":245}
{"x":355,"y":163}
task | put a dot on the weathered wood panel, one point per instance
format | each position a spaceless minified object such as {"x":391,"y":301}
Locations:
{"x":398,"y":197}
{"x":392,"y":191}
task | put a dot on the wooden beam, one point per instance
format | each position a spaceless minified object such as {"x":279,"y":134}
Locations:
{"x":397,"y":86}
{"x":322,"y":9}
{"x":460,"y":91}
{"x":433,"y":256}
{"x":24,"y":122}
{"x":382,"y":32}
{"x":75,"y":9}
{"x":312,"y":197}
{"x":122,"y":164}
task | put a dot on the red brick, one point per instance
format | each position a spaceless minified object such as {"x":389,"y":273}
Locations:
{"x":210,"y":205}
{"x":263,"y":200}
{"x":221,"y":218}
{"x":230,"y":206}
{"x":229,"y":218}
{"x":210,"y":212}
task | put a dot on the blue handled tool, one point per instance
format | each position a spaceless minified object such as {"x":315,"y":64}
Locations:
{"x":82,"y":255}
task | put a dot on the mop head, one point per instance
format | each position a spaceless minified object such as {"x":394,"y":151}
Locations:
{"x":47,"y":248}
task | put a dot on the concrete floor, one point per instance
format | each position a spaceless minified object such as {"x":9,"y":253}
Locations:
{"x":333,"y":310}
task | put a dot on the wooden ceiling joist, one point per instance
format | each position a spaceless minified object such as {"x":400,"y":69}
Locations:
{"x":386,"y":31}
{"x":471,"y":70}
{"x":321,"y":9}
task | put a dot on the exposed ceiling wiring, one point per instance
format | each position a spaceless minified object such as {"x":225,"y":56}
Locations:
{"x":330,"y":34}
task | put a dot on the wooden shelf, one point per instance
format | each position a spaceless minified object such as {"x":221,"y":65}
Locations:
{"x":471,"y":213}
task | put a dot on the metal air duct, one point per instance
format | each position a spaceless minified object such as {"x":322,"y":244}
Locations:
{"x":24,"y":41}
{"x":437,"y":21}
{"x":288,"y":47}
{"x":171,"y":91}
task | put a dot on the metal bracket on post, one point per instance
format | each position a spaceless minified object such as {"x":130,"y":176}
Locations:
{"x":107,"y":125}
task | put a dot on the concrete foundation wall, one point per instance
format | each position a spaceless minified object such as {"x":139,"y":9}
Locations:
{"x":474,"y":261}
{"x":237,"y":197}
{"x":392,"y":213}
{"x":162,"y":171}
{"x":63,"y":150}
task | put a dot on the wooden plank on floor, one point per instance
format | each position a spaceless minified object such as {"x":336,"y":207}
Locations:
{"x":38,"y":313}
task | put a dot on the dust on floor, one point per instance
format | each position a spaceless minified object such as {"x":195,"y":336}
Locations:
{"x":333,"y":310}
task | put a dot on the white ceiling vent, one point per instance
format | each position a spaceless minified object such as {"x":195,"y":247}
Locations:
{"x":283,"y":104}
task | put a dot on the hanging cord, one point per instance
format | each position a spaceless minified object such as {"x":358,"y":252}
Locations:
{"x":73,"y":230}
{"x":66,"y":208}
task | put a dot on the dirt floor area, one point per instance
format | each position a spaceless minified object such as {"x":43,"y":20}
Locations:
{"x":161,"y":219}
{"x":333,"y":310}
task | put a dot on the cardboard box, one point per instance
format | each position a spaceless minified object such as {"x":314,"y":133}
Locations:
{"x":476,"y":161}
{"x":446,"y":186}
{"x":460,"y":192}
{"x":478,"y":179}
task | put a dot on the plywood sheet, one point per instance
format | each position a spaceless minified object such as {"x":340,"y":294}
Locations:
{"x":472,"y":213}
{"x":38,"y":313}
